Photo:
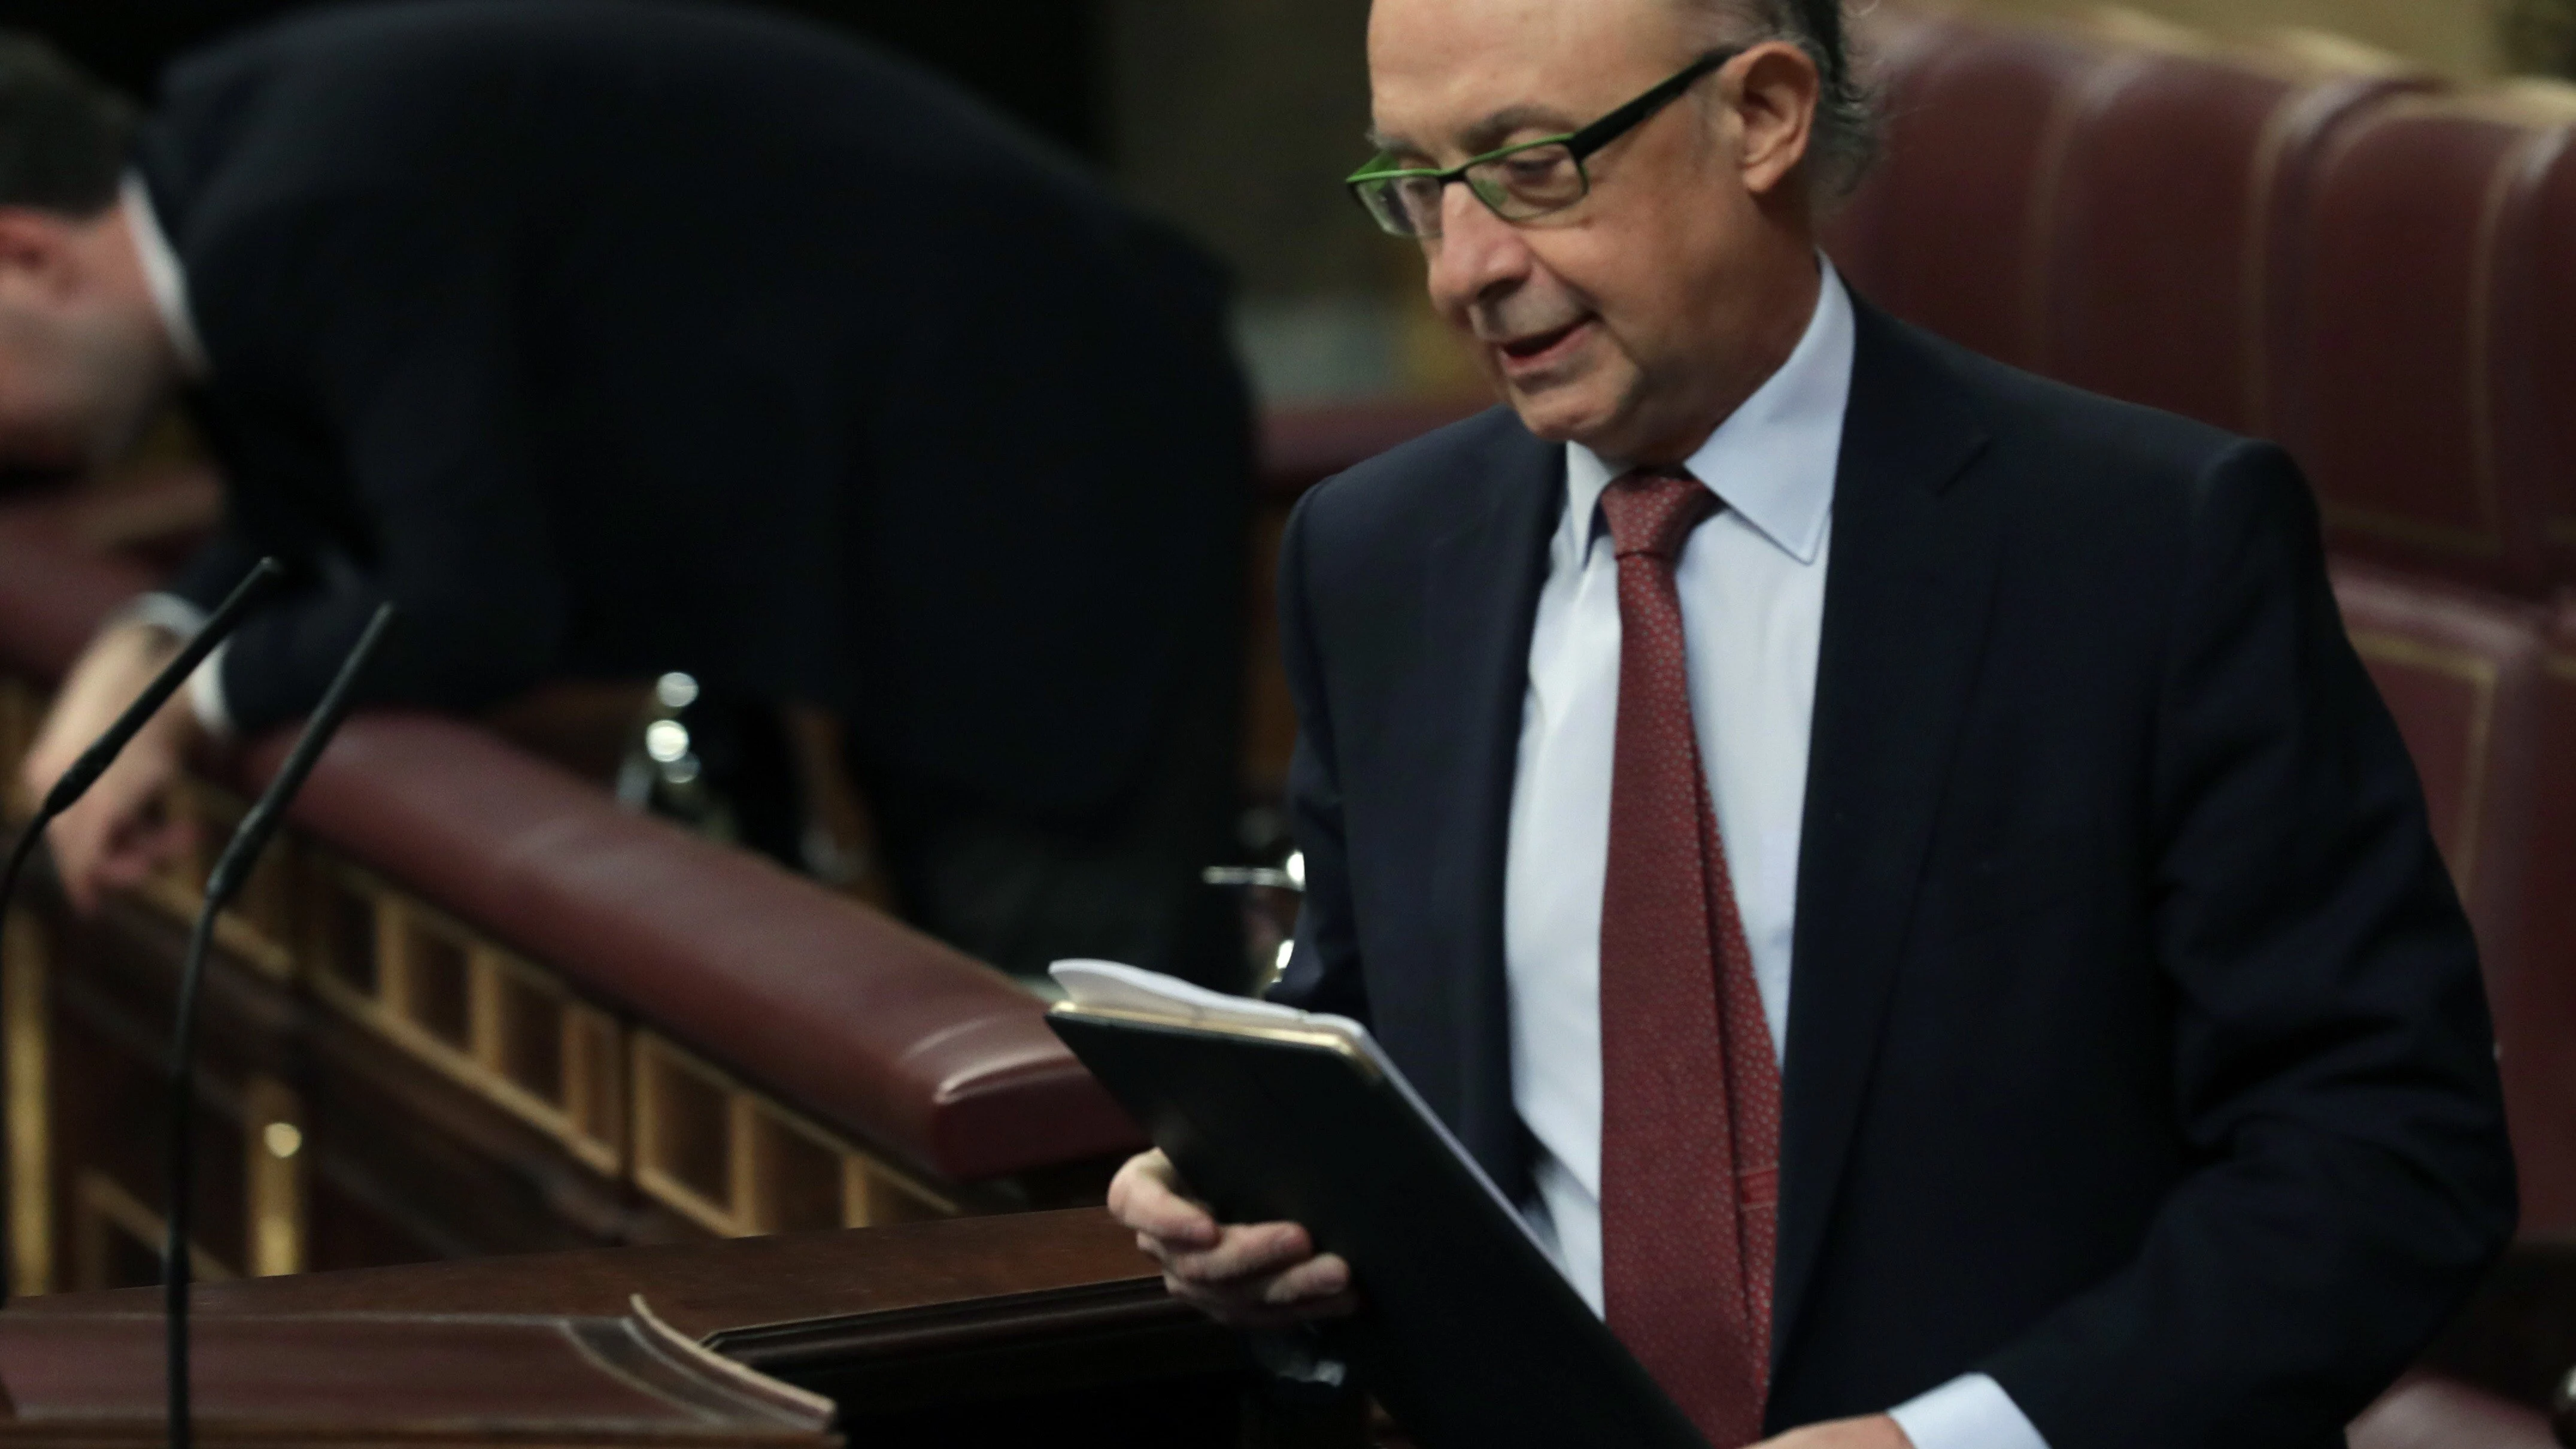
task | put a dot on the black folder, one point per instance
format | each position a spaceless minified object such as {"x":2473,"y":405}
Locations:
{"x":1468,"y":1334}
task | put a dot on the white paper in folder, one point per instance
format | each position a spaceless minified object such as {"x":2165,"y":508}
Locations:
{"x":1110,"y":986}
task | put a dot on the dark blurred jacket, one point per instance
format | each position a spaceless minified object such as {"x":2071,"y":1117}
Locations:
{"x":611,"y":338}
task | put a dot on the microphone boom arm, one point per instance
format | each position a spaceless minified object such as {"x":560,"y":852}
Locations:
{"x":224,"y":882}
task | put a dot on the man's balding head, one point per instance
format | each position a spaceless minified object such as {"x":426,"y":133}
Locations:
{"x":1635,"y":320}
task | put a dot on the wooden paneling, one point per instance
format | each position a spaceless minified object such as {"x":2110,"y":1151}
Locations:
{"x":381,"y":1083}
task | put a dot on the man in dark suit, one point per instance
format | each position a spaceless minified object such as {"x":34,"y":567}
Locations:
{"x":610,"y":339}
{"x":1891,"y":861}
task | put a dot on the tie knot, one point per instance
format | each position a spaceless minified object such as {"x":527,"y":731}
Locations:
{"x":1652,"y":511}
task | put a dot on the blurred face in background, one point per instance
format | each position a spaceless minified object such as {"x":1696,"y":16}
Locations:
{"x":83,"y":361}
{"x":1637,"y":319}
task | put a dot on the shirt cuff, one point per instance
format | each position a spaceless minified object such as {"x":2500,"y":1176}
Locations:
{"x":168,"y":613}
{"x":206,"y":694}
{"x":183,"y":620}
{"x":1971,"y":1411}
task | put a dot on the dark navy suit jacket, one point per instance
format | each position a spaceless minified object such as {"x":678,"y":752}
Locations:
{"x":2137,"y":1053}
{"x":610,"y":338}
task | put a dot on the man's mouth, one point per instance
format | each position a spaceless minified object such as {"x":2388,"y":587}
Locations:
{"x":1538,"y":344}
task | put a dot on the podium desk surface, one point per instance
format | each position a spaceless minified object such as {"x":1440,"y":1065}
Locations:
{"x":914,"y":1280}
{"x":356,"y":1379}
{"x":973,"y":1329}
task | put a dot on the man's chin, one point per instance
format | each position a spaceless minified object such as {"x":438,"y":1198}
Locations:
{"x":1577,"y":398}
{"x":1565,"y":413}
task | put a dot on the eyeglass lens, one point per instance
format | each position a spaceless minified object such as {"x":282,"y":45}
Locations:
{"x":1530,"y":182}
{"x":1517,"y":186}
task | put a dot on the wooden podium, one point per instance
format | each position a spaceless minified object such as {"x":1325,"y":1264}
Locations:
{"x":1031,"y":1329}
{"x":329,"y":1380}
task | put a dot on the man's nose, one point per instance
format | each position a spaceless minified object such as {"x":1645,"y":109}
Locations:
{"x":1478,"y":256}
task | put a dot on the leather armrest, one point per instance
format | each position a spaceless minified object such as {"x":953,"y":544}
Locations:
{"x":844,"y":1012}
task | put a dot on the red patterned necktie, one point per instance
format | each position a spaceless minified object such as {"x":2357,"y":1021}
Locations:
{"x":1690,"y":1090}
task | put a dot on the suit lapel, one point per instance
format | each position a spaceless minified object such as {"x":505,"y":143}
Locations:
{"x":1481,"y":600}
{"x":1906,"y":602}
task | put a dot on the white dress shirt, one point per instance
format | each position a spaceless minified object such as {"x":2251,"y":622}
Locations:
{"x":1752,"y":586}
{"x":163,"y":276}
{"x":168,"y":283}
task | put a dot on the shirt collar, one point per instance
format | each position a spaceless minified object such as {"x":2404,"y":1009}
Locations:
{"x":1774,"y":460}
{"x":163,"y":275}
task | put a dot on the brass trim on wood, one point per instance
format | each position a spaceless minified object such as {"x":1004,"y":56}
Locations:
{"x":581,"y":1115}
{"x":759,"y":1143}
{"x":25,"y":1027}
{"x":256,"y":928}
{"x":276,"y":1206}
{"x":658,"y":1121}
{"x":100,"y":1206}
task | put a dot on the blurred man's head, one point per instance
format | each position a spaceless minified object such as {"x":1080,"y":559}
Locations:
{"x":84,"y":357}
{"x":1637,"y":318}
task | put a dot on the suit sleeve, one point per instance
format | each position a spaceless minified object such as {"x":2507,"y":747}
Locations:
{"x":2334,"y":1063}
{"x":217,"y":568}
{"x":1324,"y":970}
{"x":406,"y":346}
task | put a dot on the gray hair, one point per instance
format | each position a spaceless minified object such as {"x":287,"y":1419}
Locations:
{"x":1846,"y":128}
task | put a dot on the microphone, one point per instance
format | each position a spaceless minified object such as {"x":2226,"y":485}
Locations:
{"x":75,"y":782}
{"x":232,"y":868}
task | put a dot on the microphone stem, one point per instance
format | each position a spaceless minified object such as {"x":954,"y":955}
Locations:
{"x":230,"y":873}
{"x":177,"y":1264}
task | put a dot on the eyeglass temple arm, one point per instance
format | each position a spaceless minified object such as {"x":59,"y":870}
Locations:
{"x":1581,"y":143}
{"x":1610,"y":127}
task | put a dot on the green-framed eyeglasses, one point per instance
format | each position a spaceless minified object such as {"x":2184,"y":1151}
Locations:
{"x":1520,"y":181}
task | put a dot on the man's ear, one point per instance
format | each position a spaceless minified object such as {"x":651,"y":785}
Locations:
{"x":1775,"y":104}
{"x":37,"y":257}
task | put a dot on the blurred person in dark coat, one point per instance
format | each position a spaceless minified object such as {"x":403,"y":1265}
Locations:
{"x":609,"y":339}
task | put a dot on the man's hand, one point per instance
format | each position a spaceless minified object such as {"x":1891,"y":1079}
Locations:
{"x":1875,"y":1432}
{"x":1268,"y":1275}
{"x":115,"y":837}
{"x":1249,"y":1275}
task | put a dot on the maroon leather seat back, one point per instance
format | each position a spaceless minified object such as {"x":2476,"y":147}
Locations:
{"x":2463,"y":672}
{"x":1303,"y":446}
{"x":2328,"y":252}
{"x":2402,"y":330}
{"x":1889,"y":45}
{"x":2460,"y":672}
{"x":2536,"y":1008}
{"x":1951,"y":232}
{"x":2535,"y":384}
{"x":2166,"y":226}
